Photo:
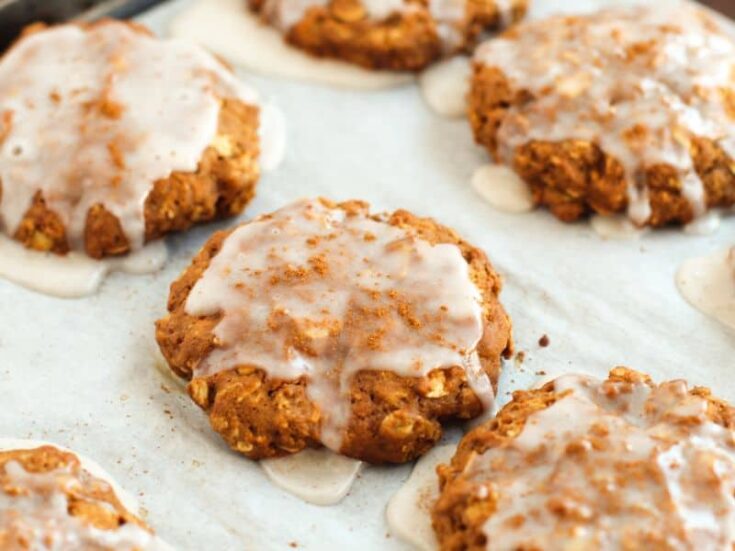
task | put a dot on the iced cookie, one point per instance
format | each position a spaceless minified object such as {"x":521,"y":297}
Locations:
{"x":404,"y":35}
{"x":629,"y":110}
{"x":110,"y":138}
{"x":322,"y":324}
{"x":51,"y":499}
{"x":587,"y":464}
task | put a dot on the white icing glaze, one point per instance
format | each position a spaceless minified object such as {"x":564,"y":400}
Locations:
{"x":232,"y":31}
{"x":612,"y":466}
{"x":40,"y":510}
{"x":136,"y":110}
{"x":616,"y":227}
{"x":321,"y":477}
{"x":708,"y":283}
{"x":502,"y":189}
{"x":409,"y":511}
{"x":75,"y":274}
{"x":444,"y":86}
{"x":312,"y":292}
{"x":638,"y":81}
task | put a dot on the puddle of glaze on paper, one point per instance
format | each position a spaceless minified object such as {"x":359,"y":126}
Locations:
{"x":409,"y":511}
{"x":228,"y":28}
{"x":616,"y":227}
{"x":708,"y":283}
{"x":321,"y":476}
{"x":445,"y":85}
{"x":502,"y":189}
{"x":73,"y":275}
{"x":704,"y":225}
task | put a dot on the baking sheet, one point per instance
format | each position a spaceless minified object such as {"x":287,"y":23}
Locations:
{"x":83,"y":373}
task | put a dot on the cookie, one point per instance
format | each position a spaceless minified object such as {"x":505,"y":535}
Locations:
{"x":322,"y":324}
{"x":397,"y":35}
{"x":587,"y":464}
{"x":149,"y":137}
{"x":625,"y":111}
{"x":52,"y":499}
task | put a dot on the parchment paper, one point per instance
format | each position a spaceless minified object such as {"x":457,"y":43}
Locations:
{"x":83,"y":373}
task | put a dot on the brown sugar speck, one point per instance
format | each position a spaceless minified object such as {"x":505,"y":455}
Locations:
{"x":319,"y":264}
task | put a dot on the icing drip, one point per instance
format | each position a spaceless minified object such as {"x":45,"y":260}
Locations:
{"x":311,"y":291}
{"x":34,"y":509}
{"x":450,"y":16}
{"x":136,"y":110}
{"x":639,"y":81}
{"x":613,"y":465}
{"x":505,"y":11}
